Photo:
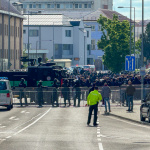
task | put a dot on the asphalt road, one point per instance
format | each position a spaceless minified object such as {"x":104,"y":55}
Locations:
{"x":32,"y":128}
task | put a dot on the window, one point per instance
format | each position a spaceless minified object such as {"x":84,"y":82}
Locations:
{"x":87,"y":33}
{"x":69,"y":6}
{"x":62,"y":6}
{"x":24,"y":6}
{"x":58,"y":6}
{"x":93,"y":44}
{"x":85,"y":5}
{"x":93,"y":27}
{"x":80,"y":5}
{"x":33,"y":33}
{"x":34,"y":5}
{"x":43,"y":6}
{"x":89,"y":5}
{"x":99,"y":27}
{"x":88,"y":47}
{"x":48,"y":5}
{"x":67,"y":49}
{"x":76,"y":5}
{"x":30,"y":5}
{"x":52,"y":6}
{"x":24,"y":31}
{"x":39,"y":5}
{"x":68,"y":33}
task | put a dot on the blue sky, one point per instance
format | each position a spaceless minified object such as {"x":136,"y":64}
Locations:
{"x":138,"y":8}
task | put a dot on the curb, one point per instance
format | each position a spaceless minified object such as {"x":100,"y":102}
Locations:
{"x":131,"y":120}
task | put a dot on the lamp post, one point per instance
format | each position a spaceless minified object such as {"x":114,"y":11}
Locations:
{"x":130,"y":29}
{"x":9,"y":64}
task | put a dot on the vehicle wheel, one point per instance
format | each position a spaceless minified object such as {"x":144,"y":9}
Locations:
{"x":9,"y":107}
{"x":141,"y":117}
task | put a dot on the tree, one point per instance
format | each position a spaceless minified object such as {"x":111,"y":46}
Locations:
{"x":114,"y":42}
{"x":146,"y":42}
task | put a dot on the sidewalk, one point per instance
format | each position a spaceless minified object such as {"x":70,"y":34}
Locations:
{"x":120,"y":111}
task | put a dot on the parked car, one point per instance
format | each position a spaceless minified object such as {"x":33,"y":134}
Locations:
{"x":90,"y":68}
{"x":6,"y":96}
{"x":145,"y":109}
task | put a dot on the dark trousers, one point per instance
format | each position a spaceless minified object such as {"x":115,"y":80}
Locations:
{"x":65,"y":98}
{"x":91,"y":108}
{"x":77,"y":97}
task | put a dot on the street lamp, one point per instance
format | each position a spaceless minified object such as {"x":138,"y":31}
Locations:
{"x":130,"y":29}
{"x":9,"y":64}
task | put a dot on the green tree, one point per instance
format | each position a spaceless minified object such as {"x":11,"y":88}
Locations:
{"x":114,"y":42}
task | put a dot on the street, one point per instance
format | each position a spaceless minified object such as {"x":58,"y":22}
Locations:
{"x":64,"y":128}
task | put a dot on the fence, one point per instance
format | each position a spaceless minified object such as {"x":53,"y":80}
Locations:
{"x":53,"y":96}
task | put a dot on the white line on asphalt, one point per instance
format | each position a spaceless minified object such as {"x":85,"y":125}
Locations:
{"x":2,"y":140}
{"x":100,"y":146}
{"x":130,"y":122}
{"x":2,"y":127}
{"x":8,"y":137}
{"x":12,"y":117}
{"x":99,"y":139}
{"x":33,"y":122}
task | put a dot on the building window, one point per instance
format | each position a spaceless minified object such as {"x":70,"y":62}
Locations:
{"x":43,"y":6}
{"x":62,"y":6}
{"x":99,"y":27}
{"x":24,"y":6}
{"x":76,"y":5}
{"x":33,"y":33}
{"x":48,"y":5}
{"x":34,"y":5}
{"x":69,"y":6}
{"x":67,"y":49}
{"x":24,"y":31}
{"x":30,"y":5}
{"x":39,"y":5}
{"x":80,"y":5}
{"x":85,"y":5}
{"x":88,"y":47}
{"x":68,"y":33}
{"x":93,"y":44}
{"x":58,"y":6}
{"x":87,"y":33}
{"x":89,"y":5}
{"x":5,"y":29}
{"x":93,"y":27}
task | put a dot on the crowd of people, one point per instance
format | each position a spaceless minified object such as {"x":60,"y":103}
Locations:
{"x":88,"y":78}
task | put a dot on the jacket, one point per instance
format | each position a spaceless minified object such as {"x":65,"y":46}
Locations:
{"x":106,"y":91}
{"x":94,"y":97}
{"x":130,"y":90}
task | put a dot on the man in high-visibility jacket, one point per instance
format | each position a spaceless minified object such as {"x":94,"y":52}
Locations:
{"x":92,"y":101}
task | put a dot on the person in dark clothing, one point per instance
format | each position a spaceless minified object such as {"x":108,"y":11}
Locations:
{"x":55,"y":93}
{"x":66,"y":92}
{"x":92,"y":89}
{"x":130,"y":92}
{"x":40,"y":93}
{"x":77,"y":93}
{"x":22,"y":91}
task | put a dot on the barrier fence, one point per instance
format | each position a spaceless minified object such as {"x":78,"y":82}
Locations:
{"x":53,"y":96}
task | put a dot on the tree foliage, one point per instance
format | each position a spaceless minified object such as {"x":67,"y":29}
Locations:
{"x":115,"y":42}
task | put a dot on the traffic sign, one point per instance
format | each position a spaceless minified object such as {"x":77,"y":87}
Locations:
{"x":130,"y":63}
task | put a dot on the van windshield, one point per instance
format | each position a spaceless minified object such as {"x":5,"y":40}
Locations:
{"x":3,"y":85}
{"x":86,"y":67}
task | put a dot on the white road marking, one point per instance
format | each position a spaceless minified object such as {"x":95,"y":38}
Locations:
{"x":99,"y":139}
{"x":2,"y":127}
{"x":2,"y":140}
{"x":23,"y":111}
{"x":100,"y":146}
{"x":33,"y":122}
{"x":130,"y":122}
{"x":13,"y":118}
{"x":8,"y":137}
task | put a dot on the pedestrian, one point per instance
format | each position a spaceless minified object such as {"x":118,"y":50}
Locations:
{"x":40,"y":93}
{"x":55,"y":93}
{"x":77,"y":93}
{"x":130,"y":92}
{"x":106,"y":96}
{"x":93,"y":98}
{"x":66,"y":92}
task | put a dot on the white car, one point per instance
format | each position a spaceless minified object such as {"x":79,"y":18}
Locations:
{"x":6,"y":96}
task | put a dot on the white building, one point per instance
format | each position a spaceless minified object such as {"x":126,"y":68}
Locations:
{"x":46,"y":5}
{"x":58,"y":37}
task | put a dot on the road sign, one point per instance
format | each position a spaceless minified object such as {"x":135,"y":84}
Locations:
{"x":130,"y":63}
{"x":142,"y":71}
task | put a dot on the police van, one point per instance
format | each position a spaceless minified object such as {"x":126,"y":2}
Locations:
{"x":6,"y":96}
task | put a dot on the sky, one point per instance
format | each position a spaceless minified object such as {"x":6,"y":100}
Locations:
{"x":138,"y":8}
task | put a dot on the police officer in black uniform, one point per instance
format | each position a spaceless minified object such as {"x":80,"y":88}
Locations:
{"x":40,"y":93}
{"x":55,"y":93}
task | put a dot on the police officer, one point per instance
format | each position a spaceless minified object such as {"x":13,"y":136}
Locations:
{"x":66,"y":92}
{"x":93,"y":98}
{"x":22,"y":91}
{"x":77,"y":93}
{"x":55,"y":93}
{"x":40,"y":93}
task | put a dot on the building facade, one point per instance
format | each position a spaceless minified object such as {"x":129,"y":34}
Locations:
{"x":53,"y":5}
{"x":56,"y":37}
{"x":11,"y":40}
